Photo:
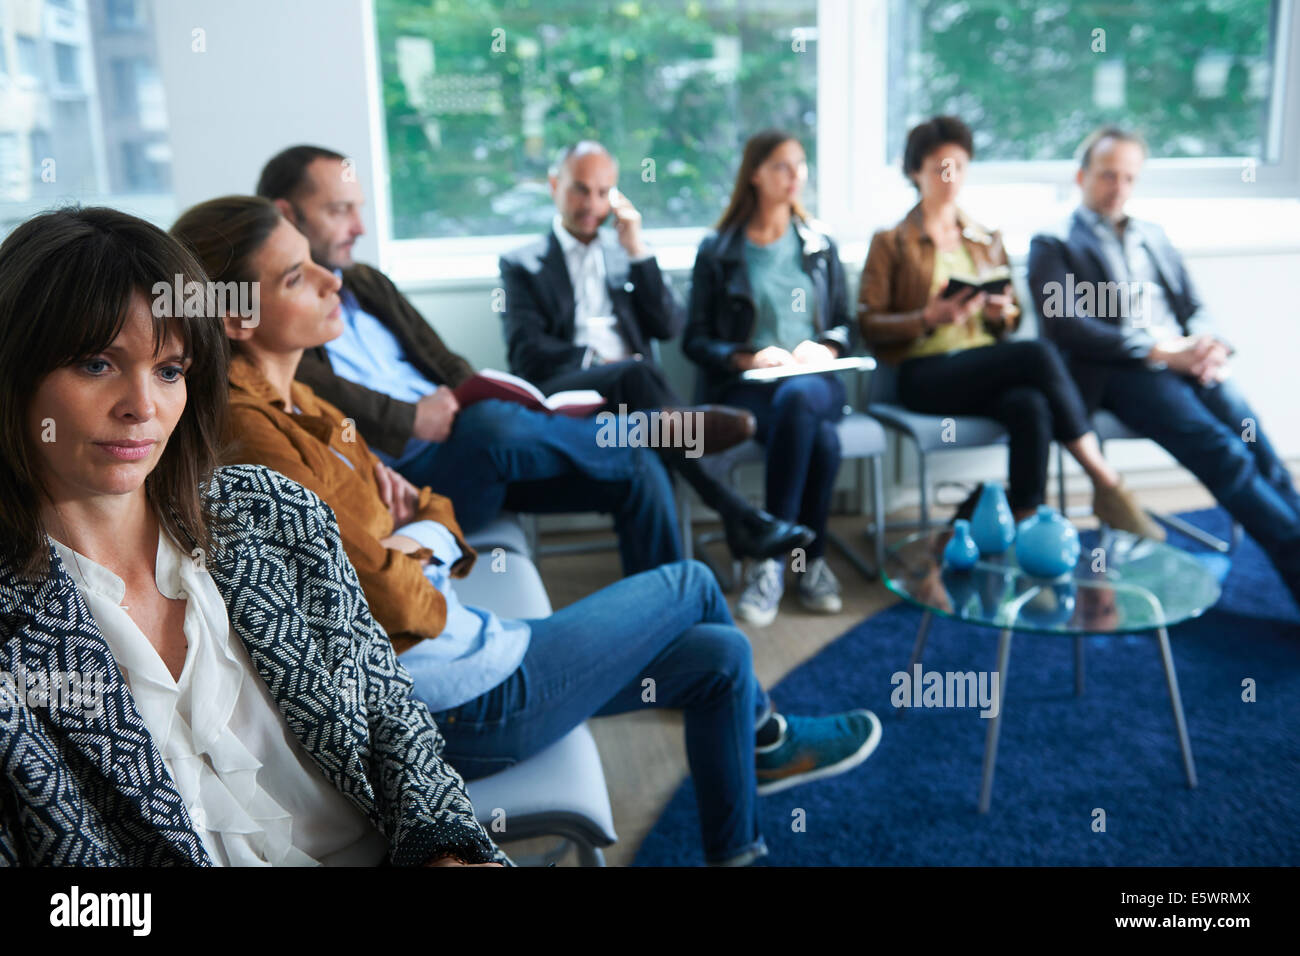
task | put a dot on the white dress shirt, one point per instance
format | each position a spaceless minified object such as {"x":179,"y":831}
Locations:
{"x":254,"y":795}
{"x":595,"y":325}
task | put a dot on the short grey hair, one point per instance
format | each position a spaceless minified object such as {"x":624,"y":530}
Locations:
{"x":583,"y":147}
{"x":1119,"y":134}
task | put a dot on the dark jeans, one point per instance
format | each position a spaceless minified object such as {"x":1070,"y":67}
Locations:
{"x":636,"y":383}
{"x":1022,"y":384}
{"x":660,"y":639}
{"x":502,"y":455}
{"x":1209,"y":430}
{"x":796,"y":424}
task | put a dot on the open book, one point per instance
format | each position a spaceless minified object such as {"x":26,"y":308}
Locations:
{"x":851,"y":363}
{"x":994,"y":282}
{"x":489,"y":383}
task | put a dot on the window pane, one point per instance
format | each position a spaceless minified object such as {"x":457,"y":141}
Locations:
{"x":1033,"y":78}
{"x":479,"y":96}
{"x":88,"y":124}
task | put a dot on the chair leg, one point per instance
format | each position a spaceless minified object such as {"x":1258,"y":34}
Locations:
{"x":1060,"y":479}
{"x":924,"y":482}
{"x":878,"y":508}
{"x":589,"y":855}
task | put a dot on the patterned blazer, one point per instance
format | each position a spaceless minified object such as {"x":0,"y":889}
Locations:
{"x":89,"y":788}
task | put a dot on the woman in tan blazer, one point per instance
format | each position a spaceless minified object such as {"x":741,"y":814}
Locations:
{"x":953,"y":353}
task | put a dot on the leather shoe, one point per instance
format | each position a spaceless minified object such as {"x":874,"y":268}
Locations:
{"x":759,"y":535}
{"x":715,"y":428}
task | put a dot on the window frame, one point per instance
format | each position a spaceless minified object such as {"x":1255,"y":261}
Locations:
{"x":859,"y":188}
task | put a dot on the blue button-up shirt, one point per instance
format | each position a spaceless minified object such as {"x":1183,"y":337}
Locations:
{"x":368,"y":354}
{"x":1130,"y":262}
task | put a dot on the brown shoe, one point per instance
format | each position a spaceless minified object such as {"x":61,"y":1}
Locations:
{"x":1117,"y":508}
{"x":715,"y":428}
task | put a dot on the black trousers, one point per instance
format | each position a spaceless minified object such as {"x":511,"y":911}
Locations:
{"x":1022,"y":384}
{"x":639,"y":384}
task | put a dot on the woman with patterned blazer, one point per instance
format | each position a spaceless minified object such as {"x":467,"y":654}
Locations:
{"x":189,"y":671}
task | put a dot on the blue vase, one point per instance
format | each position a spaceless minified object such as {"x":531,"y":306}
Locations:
{"x":1047,"y":545}
{"x":961,"y":552}
{"x":991,"y":525}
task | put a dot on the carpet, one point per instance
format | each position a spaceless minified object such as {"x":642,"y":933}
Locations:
{"x":1061,"y":758}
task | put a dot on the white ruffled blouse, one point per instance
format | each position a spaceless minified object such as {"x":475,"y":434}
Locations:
{"x":255,"y":796}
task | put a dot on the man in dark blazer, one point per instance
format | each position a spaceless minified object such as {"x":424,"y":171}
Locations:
{"x":1115,"y":296}
{"x":583,"y":308}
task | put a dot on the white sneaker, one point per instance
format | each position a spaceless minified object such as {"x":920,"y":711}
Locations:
{"x":819,"y":590}
{"x":764,"y":586}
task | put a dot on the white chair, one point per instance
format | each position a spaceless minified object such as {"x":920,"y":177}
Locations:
{"x":560,"y":791}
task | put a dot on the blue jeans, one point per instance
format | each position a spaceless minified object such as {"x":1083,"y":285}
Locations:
{"x":796,"y":423}
{"x":660,"y":639}
{"x":503,"y":455}
{"x":1203,"y":428}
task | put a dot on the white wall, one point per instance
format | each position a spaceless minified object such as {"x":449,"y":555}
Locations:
{"x":275,"y":73}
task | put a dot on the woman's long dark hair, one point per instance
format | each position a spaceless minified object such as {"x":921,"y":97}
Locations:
{"x":67,"y":282}
{"x":744,"y":195}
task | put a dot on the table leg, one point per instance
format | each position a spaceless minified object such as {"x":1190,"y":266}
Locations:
{"x":917,"y":650}
{"x":1078,"y":666}
{"x":995,"y":723}
{"x":1176,"y":699}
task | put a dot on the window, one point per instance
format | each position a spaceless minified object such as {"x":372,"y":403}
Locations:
{"x":91,"y":126}
{"x":122,"y":15}
{"x":1032,"y":79}
{"x":479,"y":97}
{"x":29,"y":64}
{"x":66,"y":67}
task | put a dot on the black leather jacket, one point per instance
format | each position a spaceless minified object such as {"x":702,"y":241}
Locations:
{"x":721,"y":315}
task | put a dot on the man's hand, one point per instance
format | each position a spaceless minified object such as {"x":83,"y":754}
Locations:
{"x":435,"y":414}
{"x":940,"y":311}
{"x":809,"y":352}
{"x":400,"y":497}
{"x":627,"y":221}
{"x":1200,"y":357}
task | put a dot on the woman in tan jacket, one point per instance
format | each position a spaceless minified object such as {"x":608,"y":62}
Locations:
{"x":953,"y":353}
{"x":501,"y":690}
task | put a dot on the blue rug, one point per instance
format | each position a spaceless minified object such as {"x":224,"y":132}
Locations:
{"x":1060,"y":757}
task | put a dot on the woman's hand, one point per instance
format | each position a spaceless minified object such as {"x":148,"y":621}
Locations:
{"x":400,"y":542}
{"x":400,"y":497}
{"x":940,"y":311}
{"x":997,"y":306}
{"x":808,"y":352}
{"x":771,"y":357}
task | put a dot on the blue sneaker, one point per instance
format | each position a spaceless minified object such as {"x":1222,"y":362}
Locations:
{"x":811,"y":748}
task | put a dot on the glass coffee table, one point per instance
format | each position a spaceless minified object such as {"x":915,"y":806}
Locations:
{"x":1121,"y":584}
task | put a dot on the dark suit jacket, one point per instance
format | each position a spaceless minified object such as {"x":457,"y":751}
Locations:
{"x":1074,"y":250}
{"x":385,"y":422}
{"x":540,"y":307}
{"x":722,"y":311}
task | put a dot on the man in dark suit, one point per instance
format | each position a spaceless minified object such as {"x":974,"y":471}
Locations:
{"x":583,"y":308}
{"x":1115,"y":296}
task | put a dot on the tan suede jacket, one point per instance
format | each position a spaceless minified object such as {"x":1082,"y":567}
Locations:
{"x":896,"y":281}
{"x":306,"y":447}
